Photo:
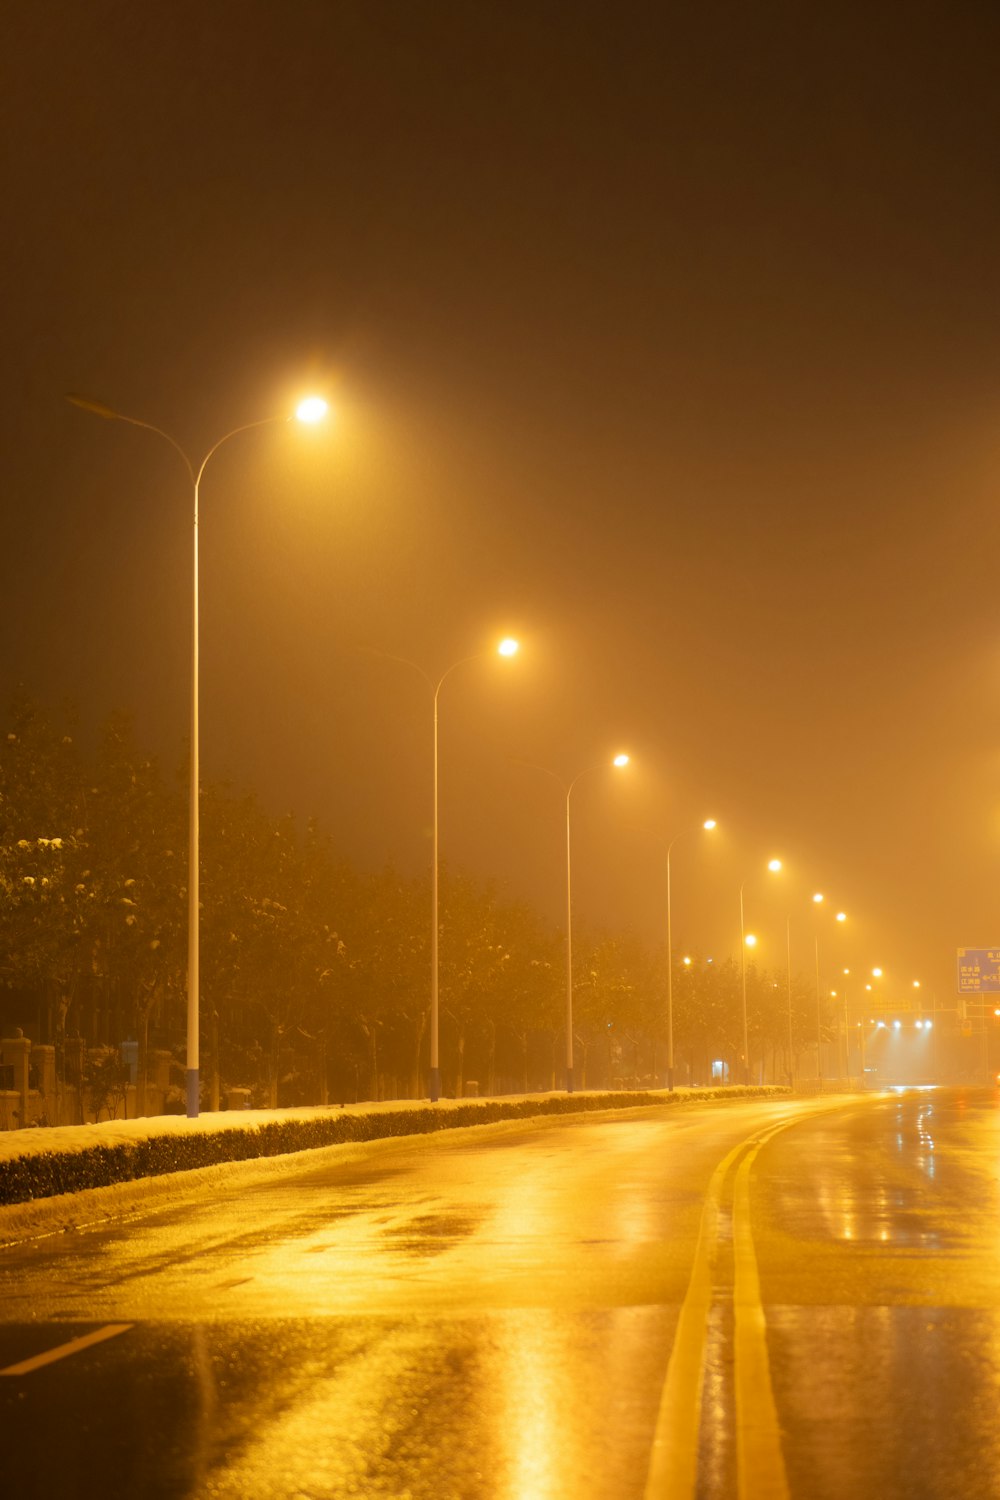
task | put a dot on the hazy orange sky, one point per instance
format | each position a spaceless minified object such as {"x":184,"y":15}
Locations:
{"x":664,"y":336}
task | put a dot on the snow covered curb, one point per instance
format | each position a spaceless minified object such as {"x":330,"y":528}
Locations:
{"x":48,"y":1162}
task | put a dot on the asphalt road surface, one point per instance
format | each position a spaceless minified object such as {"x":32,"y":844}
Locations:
{"x":795,"y":1298}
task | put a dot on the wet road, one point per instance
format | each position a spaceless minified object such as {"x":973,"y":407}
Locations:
{"x":753,"y":1299}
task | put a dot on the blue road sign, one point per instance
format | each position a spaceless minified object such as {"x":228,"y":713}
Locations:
{"x":979,"y":971}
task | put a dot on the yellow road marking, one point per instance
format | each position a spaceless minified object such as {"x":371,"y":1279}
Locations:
{"x":63,"y":1351}
{"x":760,"y":1463}
{"x":673,"y":1467}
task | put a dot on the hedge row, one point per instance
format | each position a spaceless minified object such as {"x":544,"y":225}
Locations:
{"x":45,"y":1175}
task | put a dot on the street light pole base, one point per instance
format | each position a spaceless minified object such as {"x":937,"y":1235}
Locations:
{"x":193,"y":1094}
{"x":435,"y":1085}
{"x":569,"y":1080}
{"x":670,"y":1080}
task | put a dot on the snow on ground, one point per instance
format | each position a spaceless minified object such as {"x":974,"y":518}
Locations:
{"x":41,"y":1139}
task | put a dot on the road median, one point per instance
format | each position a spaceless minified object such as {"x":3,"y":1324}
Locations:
{"x":49,"y":1162}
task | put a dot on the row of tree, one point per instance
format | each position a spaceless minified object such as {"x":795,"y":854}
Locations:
{"x":314,"y":976}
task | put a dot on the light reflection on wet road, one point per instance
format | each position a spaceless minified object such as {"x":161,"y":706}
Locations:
{"x":490,"y":1313}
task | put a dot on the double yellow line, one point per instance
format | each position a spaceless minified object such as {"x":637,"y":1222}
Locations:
{"x":760,"y":1464}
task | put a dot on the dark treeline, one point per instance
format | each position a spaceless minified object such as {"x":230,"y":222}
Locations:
{"x":314,"y":976}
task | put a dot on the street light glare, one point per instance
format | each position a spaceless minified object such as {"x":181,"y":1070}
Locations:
{"x":312,"y":409}
{"x":774,"y":865}
{"x":818,"y":897}
{"x":709,"y":824}
{"x":508,"y":646}
{"x":751,"y":940}
{"x":841,"y":916}
{"x":877,"y":973}
{"x":620,"y":760}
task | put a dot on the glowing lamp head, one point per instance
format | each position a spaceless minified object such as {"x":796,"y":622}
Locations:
{"x":877,"y":973}
{"x":687,"y":962}
{"x":311,"y":410}
{"x":751,"y":940}
{"x":916,"y":984}
{"x":709,"y":824}
{"x":774,"y":865}
{"x":508,"y":646}
{"x":620,"y":760}
{"x":841,"y":916}
{"x":818,"y":897}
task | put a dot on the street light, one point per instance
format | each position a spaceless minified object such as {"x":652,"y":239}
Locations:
{"x":618,"y":762}
{"x":311,"y":410}
{"x":707,"y":825}
{"x":507,"y":647}
{"x":817,"y":900}
{"x":774,"y":867}
{"x":840,"y":916}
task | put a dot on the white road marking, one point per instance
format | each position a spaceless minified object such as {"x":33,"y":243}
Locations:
{"x":63,"y":1351}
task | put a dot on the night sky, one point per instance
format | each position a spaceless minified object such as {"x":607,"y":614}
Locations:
{"x":664,"y":337}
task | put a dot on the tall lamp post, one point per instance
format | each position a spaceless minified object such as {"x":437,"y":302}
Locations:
{"x":313,"y":409}
{"x":774,"y":866}
{"x":841,"y":916}
{"x":847,"y":1026}
{"x":708,"y":825}
{"x":507,"y":647}
{"x":791,"y":1038}
{"x":869,"y":990}
{"x":619,"y":761}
